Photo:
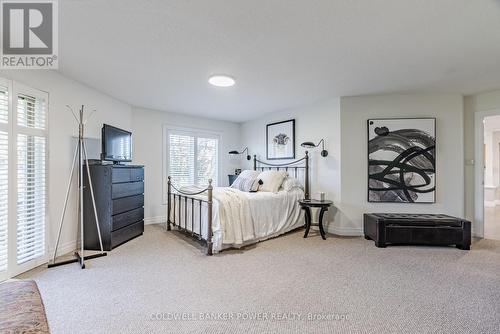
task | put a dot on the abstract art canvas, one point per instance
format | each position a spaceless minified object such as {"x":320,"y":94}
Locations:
{"x":280,"y":139}
{"x":402,"y":160}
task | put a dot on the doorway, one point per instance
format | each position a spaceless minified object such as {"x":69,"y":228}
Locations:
{"x":491,"y":177}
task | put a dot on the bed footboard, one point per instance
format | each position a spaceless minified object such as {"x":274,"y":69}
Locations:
{"x":174,"y":202}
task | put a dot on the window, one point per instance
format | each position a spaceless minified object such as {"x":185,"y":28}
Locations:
{"x":192,"y":157}
{"x":23,"y":188}
{"x":4,"y":178}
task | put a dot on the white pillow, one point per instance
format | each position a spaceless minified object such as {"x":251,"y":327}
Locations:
{"x":271,"y":180}
{"x":247,"y":181}
{"x":291,"y":183}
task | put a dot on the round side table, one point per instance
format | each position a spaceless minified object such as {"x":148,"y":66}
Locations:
{"x":306,"y":205}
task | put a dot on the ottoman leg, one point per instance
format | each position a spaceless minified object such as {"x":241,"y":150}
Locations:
{"x":367,"y":237}
{"x":380,"y":244}
{"x":463,"y":247}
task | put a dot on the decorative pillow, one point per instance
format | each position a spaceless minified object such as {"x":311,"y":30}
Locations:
{"x":291,"y":183}
{"x":272,"y":180}
{"x":247,"y":181}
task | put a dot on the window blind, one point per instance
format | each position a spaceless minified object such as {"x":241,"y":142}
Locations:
{"x":4,"y":195}
{"x":181,"y":167}
{"x":23,"y":189}
{"x":4,"y":104}
{"x":30,"y":112}
{"x":193,"y":158}
{"x":31,"y":183}
{"x":207,"y":160}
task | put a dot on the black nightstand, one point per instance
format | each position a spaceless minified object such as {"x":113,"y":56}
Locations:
{"x":232,"y":178}
{"x":306,"y":205}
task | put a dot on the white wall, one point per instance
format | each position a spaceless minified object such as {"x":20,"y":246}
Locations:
{"x":447,"y":109}
{"x":62,"y":127}
{"x":342,"y":122}
{"x":312,"y":123}
{"x":147,"y":128}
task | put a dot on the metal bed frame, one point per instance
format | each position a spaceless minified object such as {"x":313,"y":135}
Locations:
{"x":174,"y":200}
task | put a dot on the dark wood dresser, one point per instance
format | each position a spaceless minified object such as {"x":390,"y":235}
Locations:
{"x":119,"y":197}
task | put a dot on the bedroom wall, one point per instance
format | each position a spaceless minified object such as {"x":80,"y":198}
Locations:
{"x":62,"y":129}
{"x":147,"y":126}
{"x":355,"y":111}
{"x":312,"y":123}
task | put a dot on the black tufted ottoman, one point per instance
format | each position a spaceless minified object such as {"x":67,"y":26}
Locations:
{"x":417,"y":229}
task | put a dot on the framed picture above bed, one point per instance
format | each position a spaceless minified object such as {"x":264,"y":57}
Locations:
{"x":280,"y":140}
{"x":402,"y":160}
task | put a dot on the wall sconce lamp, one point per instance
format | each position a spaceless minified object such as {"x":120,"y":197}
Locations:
{"x":246,"y":149}
{"x":310,"y":144}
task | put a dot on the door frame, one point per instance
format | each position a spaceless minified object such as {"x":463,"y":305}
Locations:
{"x":479,"y":117}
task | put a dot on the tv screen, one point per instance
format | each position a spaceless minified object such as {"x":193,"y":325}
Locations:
{"x":116,"y":144}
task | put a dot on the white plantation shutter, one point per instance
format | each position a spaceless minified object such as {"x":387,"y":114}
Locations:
{"x":4,"y":104}
{"x":23,"y":170}
{"x":192,"y":157}
{"x":4,"y":178}
{"x":30,"y":197}
{"x":31,"y":112}
{"x":207,"y":160}
{"x":181,"y":152}
{"x":4,"y":199}
{"x":31,"y":174}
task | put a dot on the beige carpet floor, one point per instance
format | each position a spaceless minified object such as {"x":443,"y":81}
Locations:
{"x":159,"y":283}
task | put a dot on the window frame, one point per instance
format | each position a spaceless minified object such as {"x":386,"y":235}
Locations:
{"x":11,"y":182}
{"x":14,"y":129}
{"x":196,"y":132}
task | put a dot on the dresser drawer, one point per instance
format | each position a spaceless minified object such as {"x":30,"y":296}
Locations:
{"x":127,"y":203}
{"x":127,"y":175}
{"x":124,"y":234}
{"x":137,"y":174}
{"x":127,"y":189}
{"x":127,"y":218}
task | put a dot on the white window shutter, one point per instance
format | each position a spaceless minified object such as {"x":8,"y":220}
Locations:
{"x":23,"y":170}
{"x":31,"y":112}
{"x":31,"y":177}
{"x":192,"y":158}
{"x":31,"y":196}
{"x":4,"y":104}
{"x":207,"y":160}
{"x":4,"y":196}
{"x":181,"y":152}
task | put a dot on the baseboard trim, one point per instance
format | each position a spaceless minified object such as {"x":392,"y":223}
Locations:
{"x":345,"y":231}
{"x":154,"y":220}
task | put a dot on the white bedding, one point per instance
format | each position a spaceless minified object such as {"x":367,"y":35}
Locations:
{"x":241,"y":218}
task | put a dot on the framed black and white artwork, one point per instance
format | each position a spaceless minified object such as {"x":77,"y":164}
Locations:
{"x":280,"y":140}
{"x":402,"y":160}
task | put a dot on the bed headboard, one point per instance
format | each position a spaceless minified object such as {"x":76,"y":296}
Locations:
{"x":295,"y":166}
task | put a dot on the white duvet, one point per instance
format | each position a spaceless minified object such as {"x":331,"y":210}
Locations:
{"x":241,"y":218}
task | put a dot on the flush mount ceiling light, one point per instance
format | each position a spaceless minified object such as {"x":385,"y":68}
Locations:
{"x":221,"y":81}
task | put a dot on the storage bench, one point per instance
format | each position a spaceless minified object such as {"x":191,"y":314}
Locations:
{"x":423,"y":229}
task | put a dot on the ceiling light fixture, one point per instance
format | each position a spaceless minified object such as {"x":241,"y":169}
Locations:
{"x":221,"y":81}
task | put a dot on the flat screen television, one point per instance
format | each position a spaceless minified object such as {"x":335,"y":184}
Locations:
{"x":116,"y":144}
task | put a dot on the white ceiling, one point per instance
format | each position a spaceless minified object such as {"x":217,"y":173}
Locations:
{"x":284,"y":54}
